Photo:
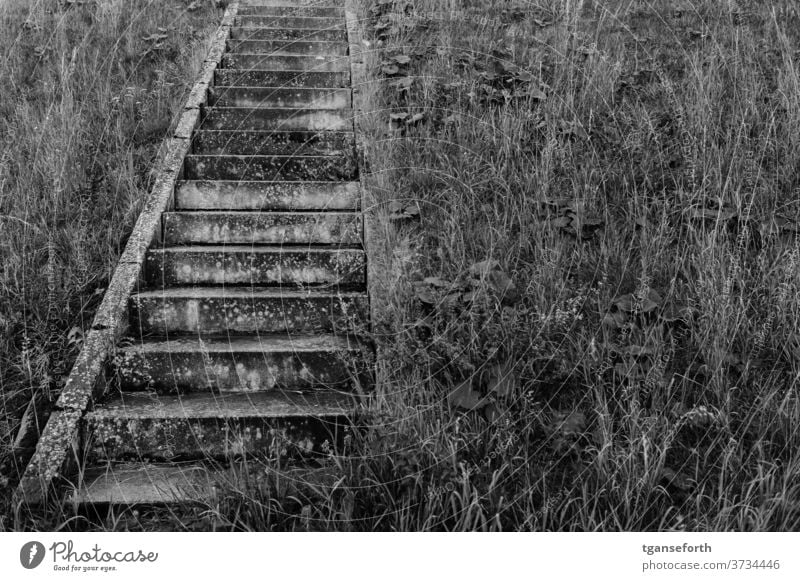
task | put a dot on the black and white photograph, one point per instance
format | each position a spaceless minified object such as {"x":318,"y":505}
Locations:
{"x":401,"y":266}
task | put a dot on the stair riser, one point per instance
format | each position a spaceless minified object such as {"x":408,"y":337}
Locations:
{"x":168,"y":315}
{"x":252,"y":33}
{"x":273,"y":143}
{"x":207,"y":195}
{"x":260,"y":62}
{"x":245,"y":78}
{"x":266,"y":97}
{"x":317,"y":11}
{"x":170,"y":438}
{"x":258,"y":168}
{"x":235,"y":372}
{"x":341,"y":268}
{"x":291,"y":21}
{"x":261,"y":228}
{"x":257,"y":119}
{"x":305,"y":47}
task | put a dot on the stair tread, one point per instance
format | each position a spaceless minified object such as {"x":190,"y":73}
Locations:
{"x":258,"y":184}
{"x":306,"y":215}
{"x":277,"y":62}
{"x":289,"y":78}
{"x":256,"y":249}
{"x":254,"y":9}
{"x":289,"y":53}
{"x":215,"y":195}
{"x":337,"y":20}
{"x":310,"y":133}
{"x":338,"y":27}
{"x":218,"y":88}
{"x":256,"y":157}
{"x":295,"y":46}
{"x":251,"y":214}
{"x":146,"y":483}
{"x":283,"y":33}
{"x":314,"y":57}
{"x":243,"y":292}
{"x":181,"y":482}
{"x":203,"y":227}
{"x":295,"y":71}
{"x":278,"y":111}
{"x":263,"y":343}
{"x":206,"y":405}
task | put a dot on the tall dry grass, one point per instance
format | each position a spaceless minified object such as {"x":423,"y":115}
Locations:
{"x":597,"y":150}
{"x":88,"y":91}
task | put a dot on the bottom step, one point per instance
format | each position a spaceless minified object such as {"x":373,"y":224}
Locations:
{"x":132,"y":484}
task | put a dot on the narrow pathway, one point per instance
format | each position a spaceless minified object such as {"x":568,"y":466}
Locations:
{"x":244,"y":344}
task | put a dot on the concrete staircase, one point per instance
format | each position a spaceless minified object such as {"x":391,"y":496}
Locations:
{"x":246,"y":342}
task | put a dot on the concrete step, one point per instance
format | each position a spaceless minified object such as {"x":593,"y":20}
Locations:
{"x":203,"y":227}
{"x":274,"y":33}
{"x":182,"y":483}
{"x":270,"y":167}
{"x":274,"y":119}
{"x":271,"y":62}
{"x":212,"y":425}
{"x":256,"y":265}
{"x":295,"y":3}
{"x":223,"y":364}
{"x":291,"y":21}
{"x":302,"y":143}
{"x":243,"y":195}
{"x":237,"y":310}
{"x":245,"y":78}
{"x":288,"y":46}
{"x":138,"y":483}
{"x":326,"y":11}
{"x":302,"y":97}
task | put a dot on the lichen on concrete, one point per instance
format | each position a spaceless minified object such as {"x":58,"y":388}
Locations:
{"x":86,"y":380}
{"x":113,"y":311}
{"x":187,"y":123}
{"x":55,"y":449}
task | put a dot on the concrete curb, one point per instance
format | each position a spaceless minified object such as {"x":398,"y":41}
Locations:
{"x":58,"y":449}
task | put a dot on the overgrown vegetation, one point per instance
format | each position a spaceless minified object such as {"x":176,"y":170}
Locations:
{"x":88,"y":90}
{"x":632,"y":166}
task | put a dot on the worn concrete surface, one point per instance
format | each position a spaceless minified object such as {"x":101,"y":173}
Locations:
{"x":235,"y":310}
{"x":252,"y":195}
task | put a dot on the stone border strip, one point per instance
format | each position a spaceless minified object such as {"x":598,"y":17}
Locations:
{"x":358,"y":80}
{"x":58,"y":451}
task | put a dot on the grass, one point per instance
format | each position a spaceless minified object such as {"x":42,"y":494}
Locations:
{"x":631,"y":166}
{"x":89,"y":92}
{"x":630,"y":358}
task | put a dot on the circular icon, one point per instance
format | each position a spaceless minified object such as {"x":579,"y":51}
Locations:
{"x":31,"y":554}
